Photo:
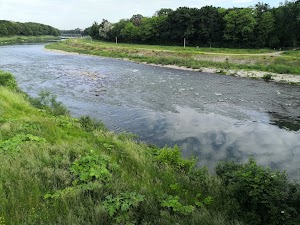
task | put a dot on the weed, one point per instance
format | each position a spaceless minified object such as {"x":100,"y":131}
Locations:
{"x":89,"y":124}
{"x":172,"y":157}
{"x":223,"y":72}
{"x":173,"y":203}
{"x":267,"y":77}
{"x":47,"y":101}
{"x":93,"y":167}
{"x":121,"y":207}
{"x":7,"y":80}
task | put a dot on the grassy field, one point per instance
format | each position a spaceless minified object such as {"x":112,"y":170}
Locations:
{"x":60,"y":170}
{"x":196,"y":58}
{"x":25,"y":39}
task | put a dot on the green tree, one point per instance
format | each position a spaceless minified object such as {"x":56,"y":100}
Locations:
{"x":163,"y":12}
{"x":240,"y":24}
{"x":265,"y":25}
{"x":136,"y":20}
{"x":105,"y":30}
{"x":209,"y":25}
{"x":94,"y":31}
{"x":130,"y":32}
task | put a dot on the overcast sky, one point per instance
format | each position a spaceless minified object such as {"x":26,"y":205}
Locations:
{"x":70,"y":14}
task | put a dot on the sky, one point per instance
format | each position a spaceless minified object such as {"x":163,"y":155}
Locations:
{"x":71,"y":14}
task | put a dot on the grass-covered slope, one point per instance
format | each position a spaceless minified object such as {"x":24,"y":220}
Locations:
{"x":59,"y":170}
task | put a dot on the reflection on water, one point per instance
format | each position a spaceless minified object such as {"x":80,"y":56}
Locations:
{"x":211,"y":116}
{"x":284,"y":122}
{"x":223,"y":138}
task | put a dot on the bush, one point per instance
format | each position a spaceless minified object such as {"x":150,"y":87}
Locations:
{"x":267,"y":77}
{"x":89,"y":124}
{"x":263,"y":196}
{"x":7,"y":80}
{"x":173,"y":158}
{"x":48,"y":102}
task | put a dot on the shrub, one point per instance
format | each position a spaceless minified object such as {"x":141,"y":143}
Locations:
{"x":92,"y":167}
{"x":121,"y":208}
{"x":89,"y":124}
{"x":172,"y":158}
{"x":7,"y":80}
{"x":47,"y":101}
{"x":267,"y":77}
{"x":263,"y":196}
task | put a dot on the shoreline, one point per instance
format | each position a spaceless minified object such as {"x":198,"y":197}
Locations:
{"x":16,"y":40}
{"x":251,"y":74}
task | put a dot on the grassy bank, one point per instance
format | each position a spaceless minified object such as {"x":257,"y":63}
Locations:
{"x":26,"y":39}
{"x":59,"y":170}
{"x":195,"y":58}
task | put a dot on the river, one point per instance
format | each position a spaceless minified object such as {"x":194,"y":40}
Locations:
{"x":210,"y":116}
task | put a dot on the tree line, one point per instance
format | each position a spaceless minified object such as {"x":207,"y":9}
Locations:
{"x":9,"y":28}
{"x":255,"y":27}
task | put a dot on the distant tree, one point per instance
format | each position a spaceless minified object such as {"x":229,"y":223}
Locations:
{"x":260,"y":26}
{"x":16,"y":28}
{"x":265,"y":25}
{"x":105,"y":30}
{"x":240,"y":24}
{"x":209,"y":25}
{"x":94,"y":31}
{"x":130,"y":32}
{"x":163,"y":12}
{"x":87,"y":31}
{"x":181,"y":24}
{"x":3,"y":30}
{"x":136,"y":20}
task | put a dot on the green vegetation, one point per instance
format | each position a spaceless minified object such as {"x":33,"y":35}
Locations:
{"x":267,"y":77}
{"x":26,"y":39}
{"x":9,"y":28}
{"x":294,"y":53}
{"x":190,"y":57}
{"x":253,"y":27}
{"x":59,"y":170}
{"x":16,"y":33}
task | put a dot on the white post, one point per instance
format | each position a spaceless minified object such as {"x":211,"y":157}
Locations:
{"x":116,"y":40}
{"x":184,"y":43}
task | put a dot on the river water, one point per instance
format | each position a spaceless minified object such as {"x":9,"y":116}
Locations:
{"x":210,"y":116}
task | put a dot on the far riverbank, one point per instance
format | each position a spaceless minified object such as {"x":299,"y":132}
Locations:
{"x":279,"y":67}
{"x":26,"y":39}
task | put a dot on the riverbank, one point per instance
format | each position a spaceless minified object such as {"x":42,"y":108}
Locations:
{"x":254,"y":64}
{"x":26,"y":39}
{"x":59,"y":170}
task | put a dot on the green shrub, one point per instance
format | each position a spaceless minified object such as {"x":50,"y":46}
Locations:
{"x":267,"y":77}
{"x":89,"y":124}
{"x":263,"y":196}
{"x":172,"y":202}
{"x":173,"y":158}
{"x":93,"y":167}
{"x":47,"y":101}
{"x":7,"y":80}
{"x":121,"y":207}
